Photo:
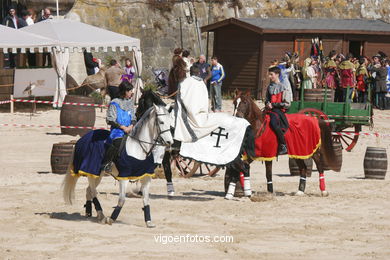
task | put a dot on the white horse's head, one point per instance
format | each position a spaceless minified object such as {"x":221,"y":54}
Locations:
{"x":164,"y":124}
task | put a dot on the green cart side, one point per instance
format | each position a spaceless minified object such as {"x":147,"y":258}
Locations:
{"x":345,"y":118}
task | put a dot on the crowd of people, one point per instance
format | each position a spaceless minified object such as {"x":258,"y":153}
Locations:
{"x":26,"y":17}
{"x":352,"y":78}
{"x":212,"y":74}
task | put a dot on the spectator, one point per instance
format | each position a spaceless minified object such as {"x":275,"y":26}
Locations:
{"x":361,"y":78}
{"x":129,"y":71}
{"x":46,"y":15}
{"x":205,"y":71}
{"x":26,"y":15}
{"x":113,"y":78}
{"x":309,"y":75}
{"x":347,"y":70}
{"x":91,"y":64}
{"x":330,"y":69}
{"x":12,"y":20}
{"x":285,"y":70}
{"x":217,"y":75}
{"x":380,"y":84}
{"x":186,"y":58}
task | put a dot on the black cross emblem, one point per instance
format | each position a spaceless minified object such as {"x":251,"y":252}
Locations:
{"x":219,"y":135}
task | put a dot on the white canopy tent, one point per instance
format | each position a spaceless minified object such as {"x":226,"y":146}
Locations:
{"x":76,"y":36}
{"x":14,"y":39}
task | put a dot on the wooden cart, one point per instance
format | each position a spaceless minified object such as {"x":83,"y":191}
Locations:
{"x":345,"y":118}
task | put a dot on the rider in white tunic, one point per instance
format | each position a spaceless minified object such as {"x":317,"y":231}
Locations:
{"x":192,"y":117}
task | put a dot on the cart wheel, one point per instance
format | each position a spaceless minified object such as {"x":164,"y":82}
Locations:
{"x":210,"y":170}
{"x":316,"y":113}
{"x":186,"y":167}
{"x":348,"y":139}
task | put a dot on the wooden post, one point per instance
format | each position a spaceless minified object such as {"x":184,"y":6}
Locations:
{"x":12,"y":104}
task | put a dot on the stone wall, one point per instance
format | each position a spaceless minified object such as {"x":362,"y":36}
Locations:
{"x":160,"y":31}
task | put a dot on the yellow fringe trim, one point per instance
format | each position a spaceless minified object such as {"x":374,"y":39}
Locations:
{"x":306,"y":156}
{"x":245,"y":157}
{"x":87,"y":174}
{"x":136,"y":178}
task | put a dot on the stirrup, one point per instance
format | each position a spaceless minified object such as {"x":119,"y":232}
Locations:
{"x":107,"y":167}
{"x":282,"y":149}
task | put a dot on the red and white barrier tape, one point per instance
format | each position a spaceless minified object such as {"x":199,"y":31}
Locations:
{"x":51,"y":102}
{"x":56,"y":126}
{"x":5,"y":102}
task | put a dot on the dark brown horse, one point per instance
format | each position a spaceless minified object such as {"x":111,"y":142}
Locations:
{"x":246,"y":108}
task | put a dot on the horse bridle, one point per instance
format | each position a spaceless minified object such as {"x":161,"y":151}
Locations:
{"x":158,"y":141}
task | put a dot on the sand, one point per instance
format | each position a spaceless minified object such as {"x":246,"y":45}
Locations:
{"x":352,"y":223}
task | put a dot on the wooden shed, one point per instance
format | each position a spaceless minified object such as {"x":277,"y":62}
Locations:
{"x":247,"y":46}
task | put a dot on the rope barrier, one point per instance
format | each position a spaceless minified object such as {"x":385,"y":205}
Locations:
{"x":51,"y":102}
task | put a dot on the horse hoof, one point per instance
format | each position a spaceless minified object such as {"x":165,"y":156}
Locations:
{"x":149,"y":224}
{"x":324,"y":193}
{"x":171,"y":193}
{"x":247,"y":193}
{"x":228,"y":196}
{"x":101,"y":218}
{"x":109,"y":221}
{"x":299,"y":193}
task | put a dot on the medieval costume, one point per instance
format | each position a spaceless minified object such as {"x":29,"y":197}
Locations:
{"x":347,"y":69}
{"x":309,"y":75}
{"x":279,"y":99}
{"x":330,"y":73}
{"x":361,"y":78}
{"x":129,"y":73}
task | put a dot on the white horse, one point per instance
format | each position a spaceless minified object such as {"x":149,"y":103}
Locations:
{"x":149,"y":135}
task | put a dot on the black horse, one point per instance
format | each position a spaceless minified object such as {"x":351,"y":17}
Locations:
{"x":149,"y":98}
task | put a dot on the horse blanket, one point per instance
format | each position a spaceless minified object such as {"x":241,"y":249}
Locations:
{"x":303,"y":138}
{"x":221,"y":146}
{"x":89,"y":153}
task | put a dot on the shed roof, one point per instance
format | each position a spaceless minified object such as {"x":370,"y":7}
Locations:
{"x":320,"y":25}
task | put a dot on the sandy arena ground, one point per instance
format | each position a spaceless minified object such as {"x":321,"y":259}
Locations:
{"x":352,"y":223}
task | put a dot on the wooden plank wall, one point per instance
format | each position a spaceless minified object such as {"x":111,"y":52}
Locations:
{"x":237,"y":50}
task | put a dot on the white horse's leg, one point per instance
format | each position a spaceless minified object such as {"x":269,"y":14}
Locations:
{"x":145,"y":196}
{"x":93,"y":183}
{"x":121,"y":202}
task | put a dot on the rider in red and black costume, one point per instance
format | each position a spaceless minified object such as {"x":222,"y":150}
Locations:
{"x":277,"y":103}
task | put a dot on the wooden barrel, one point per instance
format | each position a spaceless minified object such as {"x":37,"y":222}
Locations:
{"x":77,"y":115}
{"x":317,"y":95}
{"x":239,"y":190}
{"x":338,"y":149}
{"x":294,"y":169}
{"x":61,"y":155}
{"x":375,"y":163}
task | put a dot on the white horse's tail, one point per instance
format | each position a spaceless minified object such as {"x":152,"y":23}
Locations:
{"x":69,"y":184}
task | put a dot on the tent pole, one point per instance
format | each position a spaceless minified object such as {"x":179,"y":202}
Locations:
{"x":57,"y":8}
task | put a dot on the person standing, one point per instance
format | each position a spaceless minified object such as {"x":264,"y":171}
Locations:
{"x":330,"y":69}
{"x":45,"y":15}
{"x":380,"y":84}
{"x":361,"y":78}
{"x":217,"y":75}
{"x":309,"y":75}
{"x":205,"y":68}
{"x":285,"y":71}
{"x":113,"y":79}
{"x":186,"y":58}
{"x":347,"y":70}
{"x":129,"y":71}
{"x":90,"y":63}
